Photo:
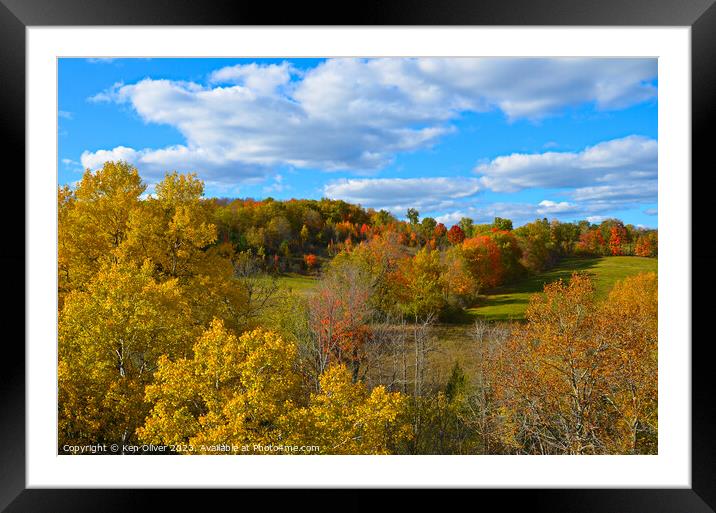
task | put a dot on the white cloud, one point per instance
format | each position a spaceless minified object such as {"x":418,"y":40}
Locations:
{"x":535,"y":88}
{"x":553,"y":207}
{"x":633,"y":157}
{"x":399,"y":194}
{"x":630,"y":192}
{"x":263,"y":79}
{"x":154,"y":163}
{"x":111,"y":94}
{"x":64,"y":114}
{"x":355,"y":114}
{"x":651,"y":211}
{"x":232,"y":129}
{"x":277,"y":185}
{"x":612,"y":175}
{"x":519,"y":213}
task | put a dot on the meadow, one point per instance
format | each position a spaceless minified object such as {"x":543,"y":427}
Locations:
{"x":510,"y":301}
{"x":453,"y":342}
{"x":298,"y":283}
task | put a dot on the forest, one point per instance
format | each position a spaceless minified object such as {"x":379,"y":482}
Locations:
{"x":180,"y":326}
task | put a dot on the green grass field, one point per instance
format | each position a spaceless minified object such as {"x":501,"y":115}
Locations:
{"x":298,"y":283}
{"x":509,"y":302}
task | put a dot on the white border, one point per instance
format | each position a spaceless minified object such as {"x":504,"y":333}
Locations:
{"x":670,"y":468}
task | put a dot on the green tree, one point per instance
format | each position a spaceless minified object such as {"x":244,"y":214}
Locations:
{"x":502,"y":224}
{"x":465,"y":225}
{"x":413,"y":216}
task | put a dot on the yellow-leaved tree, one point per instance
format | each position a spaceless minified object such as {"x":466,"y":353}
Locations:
{"x":347,"y":418}
{"x":549,"y":373}
{"x":93,"y":221}
{"x":419,"y":286}
{"x":246,"y":391}
{"x":172,"y":229}
{"x":110,"y":337}
{"x":233,"y":391}
{"x":630,"y":315}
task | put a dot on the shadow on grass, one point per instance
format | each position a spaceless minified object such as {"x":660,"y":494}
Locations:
{"x":563,"y":270}
{"x":508,"y":303}
{"x":504,"y":300}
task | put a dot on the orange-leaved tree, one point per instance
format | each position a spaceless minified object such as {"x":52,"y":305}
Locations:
{"x":580,"y":376}
{"x":484,"y":261}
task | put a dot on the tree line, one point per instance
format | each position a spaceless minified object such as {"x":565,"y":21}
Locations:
{"x":283,"y":233}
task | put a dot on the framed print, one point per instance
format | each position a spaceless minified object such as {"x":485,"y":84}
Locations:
{"x":416,"y":248}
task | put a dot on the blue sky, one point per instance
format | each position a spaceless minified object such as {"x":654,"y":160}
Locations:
{"x":519,"y":138}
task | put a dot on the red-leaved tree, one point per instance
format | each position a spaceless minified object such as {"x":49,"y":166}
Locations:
{"x":455,"y":235}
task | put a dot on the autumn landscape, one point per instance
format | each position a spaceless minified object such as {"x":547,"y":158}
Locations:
{"x":357,"y":256}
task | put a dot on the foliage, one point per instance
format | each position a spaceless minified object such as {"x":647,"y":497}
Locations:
{"x":456,"y":235}
{"x":93,"y":222}
{"x":579,"y":378}
{"x":413,"y":216}
{"x":245,"y":391}
{"x":111,"y":336}
{"x":346,"y":418}
{"x":501,"y":224}
{"x":232,"y":391}
{"x":537,"y":246}
{"x":418,"y":284}
{"x":483,"y":260}
{"x":311,"y":260}
{"x":339,"y":312}
{"x":647,"y":245}
{"x":164,"y":300}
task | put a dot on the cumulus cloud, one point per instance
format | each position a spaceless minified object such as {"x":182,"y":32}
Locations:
{"x":237,"y":128}
{"x":630,"y":192}
{"x":611,"y":175}
{"x":265,"y":79}
{"x":629,"y":158}
{"x":399,"y":194}
{"x":355,"y":114}
{"x":538,"y":87}
{"x":546,"y":207}
{"x":522,"y":212}
{"x":519,"y":213}
{"x":154,"y":163}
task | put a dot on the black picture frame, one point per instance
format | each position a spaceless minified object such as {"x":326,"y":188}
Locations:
{"x":700,"y":15}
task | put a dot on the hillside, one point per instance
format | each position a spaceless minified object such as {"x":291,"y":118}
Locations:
{"x":509,"y":302}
